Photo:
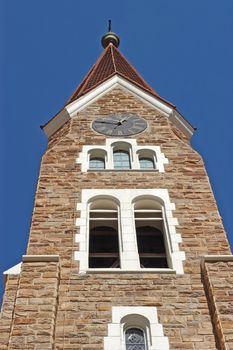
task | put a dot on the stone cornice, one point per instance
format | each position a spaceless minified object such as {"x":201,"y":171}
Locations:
{"x":40,"y":258}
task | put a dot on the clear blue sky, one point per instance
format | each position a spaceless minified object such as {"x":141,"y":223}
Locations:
{"x":182,"y":48}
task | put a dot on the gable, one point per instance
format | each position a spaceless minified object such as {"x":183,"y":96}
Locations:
{"x":115,"y":82}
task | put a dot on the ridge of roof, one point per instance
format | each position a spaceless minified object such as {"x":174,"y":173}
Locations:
{"x":109,"y":63}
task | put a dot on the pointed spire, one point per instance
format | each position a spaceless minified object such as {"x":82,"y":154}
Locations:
{"x":110,"y":37}
{"x":111,"y":62}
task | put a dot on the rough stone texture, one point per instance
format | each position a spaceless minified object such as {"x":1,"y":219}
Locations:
{"x":35,"y":307}
{"x":84,"y":301}
{"x":7,"y":310}
{"x":218,"y":281}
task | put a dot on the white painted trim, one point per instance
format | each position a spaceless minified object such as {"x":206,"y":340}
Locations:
{"x":14,"y":270}
{"x":38,"y":258}
{"x":113,"y":83}
{"x":129,"y":254}
{"x":159,"y":271}
{"x":122,"y":170}
{"x":143,"y":317}
{"x":181,"y":123}
{"x":56,"y":123}
{"x":134,"y":149}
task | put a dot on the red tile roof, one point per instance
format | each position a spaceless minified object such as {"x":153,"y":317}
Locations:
{"x":112,"y":62}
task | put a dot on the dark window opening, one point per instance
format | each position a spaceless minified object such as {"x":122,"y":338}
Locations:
{"x":104,"y":248}
{"x":151,"y":247}
{"x":150,"y":229}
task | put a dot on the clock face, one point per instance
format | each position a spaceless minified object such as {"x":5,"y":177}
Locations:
{"x":119,"y":125}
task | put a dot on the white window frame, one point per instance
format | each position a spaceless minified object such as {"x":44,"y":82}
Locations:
{"x":147,"y":153}
{"x":142,"y":317}
{"x":97,"y":153}
{"x":118,"y":226}
{"x":134,"y":150}
{"x":127,"y":236}
{"x":122,"y":146}
{"x":97,"y":158}
{"x":165,"y":231}
{"x":145,"y":332}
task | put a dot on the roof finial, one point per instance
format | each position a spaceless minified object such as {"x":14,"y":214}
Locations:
{"x":109,"y":25}
{"x":110,"y":37}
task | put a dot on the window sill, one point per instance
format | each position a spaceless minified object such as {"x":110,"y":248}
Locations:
{"x":160,"y":271}
{"x":117,"y":170}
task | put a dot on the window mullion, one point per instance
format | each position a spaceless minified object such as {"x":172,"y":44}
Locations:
{"x":168,"y":236}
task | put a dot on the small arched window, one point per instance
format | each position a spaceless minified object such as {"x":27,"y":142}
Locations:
{"x":97,"y":159}
{"x":121,"y":159}
{"x":97,"y":163}
{"x":147,"y":159}
{"x":149,"y":225}
{"x":121,"y":155}
{"x":135,"y":339}
{"x":103,"y":234}
{"x":146,"y":163}
{"x":135,"y":328}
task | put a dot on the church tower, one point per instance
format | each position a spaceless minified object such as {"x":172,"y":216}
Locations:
{"x":126,"y":250}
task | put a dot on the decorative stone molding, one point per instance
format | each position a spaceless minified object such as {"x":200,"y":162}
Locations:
{"x":42,"y":258}
{"x":128,"y":247}
{"x":143,"y":317}
{"x":215,"y":258}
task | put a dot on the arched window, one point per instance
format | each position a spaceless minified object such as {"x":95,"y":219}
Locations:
{"x":103,"y":234}
{"x":97,"y":163}
{"x":147,"y":159}
{"x":121,"y":155}
{"x":146,"y":163}
{"x":135,"y":328}
{"x":97,"y":159}
{"x":136,"y":226}
{"x":121,"y":160}
{"x":135,"y":339}
{"x":149,"y":225}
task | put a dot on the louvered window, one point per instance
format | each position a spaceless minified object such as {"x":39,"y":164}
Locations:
{"x":149,"y":225}
{"x":103,"y":237}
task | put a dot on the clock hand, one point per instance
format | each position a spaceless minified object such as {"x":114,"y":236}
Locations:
{"x":115,"y":127}
{"x":105,"y":122}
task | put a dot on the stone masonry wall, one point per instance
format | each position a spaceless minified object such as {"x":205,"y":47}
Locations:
{"x":61,"y":181}
{"x":35,"y":306}
{"x":7,"y":310}
{"x":84,"y":301}
{"x":218,"y":281}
